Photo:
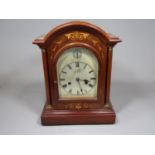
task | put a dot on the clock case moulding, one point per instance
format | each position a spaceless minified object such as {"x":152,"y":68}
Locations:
{"x":83,"y":34}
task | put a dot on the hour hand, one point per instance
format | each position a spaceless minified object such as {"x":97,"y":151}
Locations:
{"x":85,"y":81}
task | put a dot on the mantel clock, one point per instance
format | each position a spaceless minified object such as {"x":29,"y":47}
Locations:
{"x":77,"y":61}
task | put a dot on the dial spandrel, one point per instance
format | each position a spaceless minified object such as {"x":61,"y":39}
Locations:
{"x":77,"y":72}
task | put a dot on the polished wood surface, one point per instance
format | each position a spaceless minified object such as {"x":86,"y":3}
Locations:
{"x":62,"y":117}
{"x":46,"y":75}
{"x":81,"y":111}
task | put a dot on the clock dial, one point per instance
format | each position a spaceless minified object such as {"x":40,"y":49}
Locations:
{"x":77,"y":78}
{"x":77,"y":73}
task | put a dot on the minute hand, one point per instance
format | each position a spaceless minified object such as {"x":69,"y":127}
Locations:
{"x":78,"y":80}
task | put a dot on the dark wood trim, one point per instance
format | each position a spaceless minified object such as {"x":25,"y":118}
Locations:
{"x":109,"y":69}
{"x":46,"y":75}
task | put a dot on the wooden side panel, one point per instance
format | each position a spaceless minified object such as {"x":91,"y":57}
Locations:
{"x":108,"y":78}
{"x":103,"y":82}
{"x":46,"y":75}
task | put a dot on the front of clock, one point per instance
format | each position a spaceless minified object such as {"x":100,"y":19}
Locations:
{"x":77,"y":58}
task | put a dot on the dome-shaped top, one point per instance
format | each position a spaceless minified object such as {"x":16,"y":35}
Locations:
{"x":44,"y":40}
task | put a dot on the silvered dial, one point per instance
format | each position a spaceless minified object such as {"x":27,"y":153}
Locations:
{"x":77,"y":73}
{"x":77,"y":78}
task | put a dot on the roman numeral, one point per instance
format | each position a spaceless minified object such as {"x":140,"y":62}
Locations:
{"x":85,"y":91}
{"x":62,"y":79}
{"x":69,"y":66}
{"x":77,"y":64}
{"x":78,"y":93}
{"x":64,"y":72}
{"x":64,"y":86}
{"x":91,"y":71}
{"x":93,"y":78}
{"x":77,"y":54}
{"x":70,"y":91}
{"x":90,"y":85}
{"x":85,"y":66}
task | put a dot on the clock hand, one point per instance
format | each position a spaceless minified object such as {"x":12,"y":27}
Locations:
{"x":85,"y":81}
{"x":78,"y":80}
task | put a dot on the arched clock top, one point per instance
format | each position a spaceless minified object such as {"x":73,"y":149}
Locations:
{"x":45,"y":40}
{"x":77,"y":38}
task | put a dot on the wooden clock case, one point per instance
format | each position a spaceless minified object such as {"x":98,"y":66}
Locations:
{"x":82,"y":111}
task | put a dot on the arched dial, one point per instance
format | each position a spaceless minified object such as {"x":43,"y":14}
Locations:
{"x":77,"y":78}
{"x":77,"y":73}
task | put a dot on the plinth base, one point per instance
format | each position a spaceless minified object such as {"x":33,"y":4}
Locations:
{"x":61,"y":117}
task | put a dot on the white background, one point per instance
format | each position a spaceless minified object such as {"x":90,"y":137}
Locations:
{"x":22,"y":93}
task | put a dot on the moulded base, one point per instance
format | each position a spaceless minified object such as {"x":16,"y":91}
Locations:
{"x":62,"y":117}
